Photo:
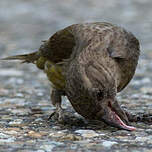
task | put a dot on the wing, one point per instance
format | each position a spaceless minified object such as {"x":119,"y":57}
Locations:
{"x":73,"y":38}
{"x":59,"y":46}
{"x":110,"y":54}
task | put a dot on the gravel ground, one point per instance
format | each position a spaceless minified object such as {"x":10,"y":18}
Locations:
{"x":24,"y":90}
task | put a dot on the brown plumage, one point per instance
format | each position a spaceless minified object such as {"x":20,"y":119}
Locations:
{"x":89,"y":63}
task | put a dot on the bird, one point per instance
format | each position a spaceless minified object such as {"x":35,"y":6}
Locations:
{"x":89,"y":63}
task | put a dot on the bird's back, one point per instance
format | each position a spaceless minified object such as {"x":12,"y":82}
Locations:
{"x":61,"y":45}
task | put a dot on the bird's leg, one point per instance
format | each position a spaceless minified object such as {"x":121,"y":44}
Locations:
{"x":56,"y":101}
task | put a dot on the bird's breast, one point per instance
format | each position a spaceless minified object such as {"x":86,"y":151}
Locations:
{"x":53,"y":71}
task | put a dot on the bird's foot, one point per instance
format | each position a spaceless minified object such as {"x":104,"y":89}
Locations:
{"x":62,"y":116}
{"x":140,"y":117}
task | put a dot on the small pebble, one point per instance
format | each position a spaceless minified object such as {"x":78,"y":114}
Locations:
{"x":16,"y":122}
{"x":87,"y":133}
{"x":70,"y":137}
{"x":2,"y":135}
{"x":34,"y":134}
{"x":11,"y":132}
{"x":108,"y":144}
{"x":51,"y":144}
{"x":19,"y":95}
{"x":7,"y":140}
{"x":47,"y":148}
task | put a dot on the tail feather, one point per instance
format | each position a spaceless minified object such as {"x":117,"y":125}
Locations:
{"x":26,"y":58}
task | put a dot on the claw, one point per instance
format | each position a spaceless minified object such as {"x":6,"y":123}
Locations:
{"x":62,"y":116}
{"x":52,"y":114}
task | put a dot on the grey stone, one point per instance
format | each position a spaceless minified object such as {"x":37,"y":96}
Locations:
{"x":49,"y":147}
{"x":16,"y":122}
{"x":108,"y":144}
{"x":9,"y":140}
{"x":87,"y":133}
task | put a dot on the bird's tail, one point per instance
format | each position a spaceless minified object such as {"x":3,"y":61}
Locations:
{"x":26,"y":58}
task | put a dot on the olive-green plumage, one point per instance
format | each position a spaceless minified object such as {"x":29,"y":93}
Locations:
{"x":89,"y":63}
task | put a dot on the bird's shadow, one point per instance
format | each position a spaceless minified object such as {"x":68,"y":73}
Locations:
{"x":75,"y":122}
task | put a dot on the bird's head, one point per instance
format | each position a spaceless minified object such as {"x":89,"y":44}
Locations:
{"x":110,"y":112}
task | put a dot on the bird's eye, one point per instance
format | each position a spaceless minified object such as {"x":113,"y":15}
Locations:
{"x":100,"y":95}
